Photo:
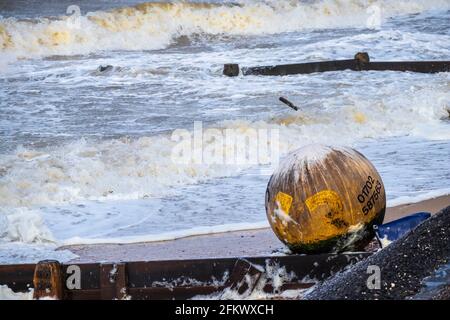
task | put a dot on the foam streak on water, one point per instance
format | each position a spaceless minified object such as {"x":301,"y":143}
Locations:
{"x":85,"y":156}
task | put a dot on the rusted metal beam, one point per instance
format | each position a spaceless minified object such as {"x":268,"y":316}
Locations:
{"x":412,"y":66}
{"x":18,"y":278}
{"x":244,"y":277}
{"x":176,"y":279}
{"x":288,"y":103}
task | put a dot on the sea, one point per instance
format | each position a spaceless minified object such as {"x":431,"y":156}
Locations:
{"x":118,"y":126}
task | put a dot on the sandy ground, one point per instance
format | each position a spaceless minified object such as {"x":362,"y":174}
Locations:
{"x":231,"y":244}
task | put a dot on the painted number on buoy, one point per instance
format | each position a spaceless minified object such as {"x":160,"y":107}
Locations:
{"x":284,"y":200}
{"x":367,"y":197}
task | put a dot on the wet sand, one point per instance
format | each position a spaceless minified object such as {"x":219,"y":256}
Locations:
{"x":244,"y":243}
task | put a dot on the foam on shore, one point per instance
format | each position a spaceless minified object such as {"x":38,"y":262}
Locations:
{"x":172,"y":235}
{"x":418,"y":198}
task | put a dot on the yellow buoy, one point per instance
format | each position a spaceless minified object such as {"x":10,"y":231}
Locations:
{"x":325,"y":199}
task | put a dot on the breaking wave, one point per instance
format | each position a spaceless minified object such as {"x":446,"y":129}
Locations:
{"x":124,"y":168}
{"x":151,"y":26}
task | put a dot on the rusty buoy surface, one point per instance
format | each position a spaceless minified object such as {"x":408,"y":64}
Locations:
{"x":325,"y":199}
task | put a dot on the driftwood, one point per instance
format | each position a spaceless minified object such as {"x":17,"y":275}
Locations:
{"x":361,"y":62}
{"x":288,"y":103}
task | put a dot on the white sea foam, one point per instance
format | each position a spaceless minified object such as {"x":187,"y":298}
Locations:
{"x":385,"y":242}
{"x":421,"y":196}
{"x":23,"y":225}
{"x":19,"y":252}
{"x":172,"y":235}
{"x":7,"y":294}
{"x":155,"y":25}
{"x":282,"y":216}
{"x":121,"y":169}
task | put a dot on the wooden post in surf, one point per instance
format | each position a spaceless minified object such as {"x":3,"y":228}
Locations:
{"x":360,"y":62}
{"x":361,"y":59}
{"x":231,"y":69}
{"x":47,"y":280}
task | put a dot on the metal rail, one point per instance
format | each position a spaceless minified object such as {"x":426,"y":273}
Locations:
{"x":176,"y":279}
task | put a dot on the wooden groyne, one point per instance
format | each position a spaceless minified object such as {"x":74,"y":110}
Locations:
{"x":361,"y":62}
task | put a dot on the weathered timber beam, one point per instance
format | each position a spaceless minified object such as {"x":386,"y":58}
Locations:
{"x":301,"y":68}
{"x":361,"y":62}
{"x":413,"y":66}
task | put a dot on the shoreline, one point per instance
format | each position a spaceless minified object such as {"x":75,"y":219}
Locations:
{"x":242,"y":243}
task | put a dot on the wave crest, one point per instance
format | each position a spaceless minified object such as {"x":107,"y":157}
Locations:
{"x":154,"y":25}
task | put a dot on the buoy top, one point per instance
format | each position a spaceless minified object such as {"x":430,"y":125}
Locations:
{"x":311,"y":155}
